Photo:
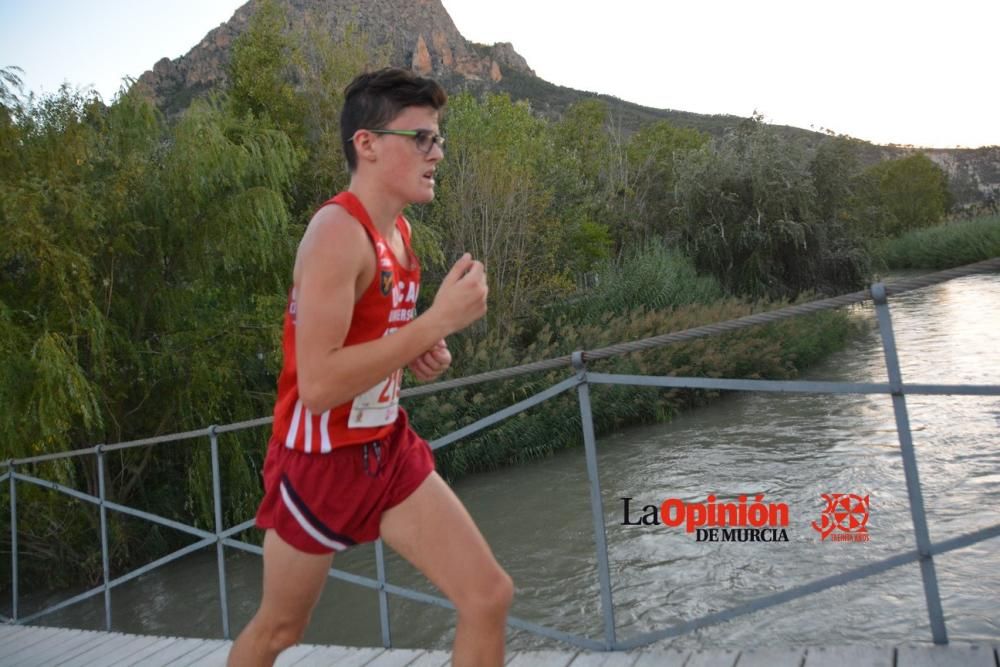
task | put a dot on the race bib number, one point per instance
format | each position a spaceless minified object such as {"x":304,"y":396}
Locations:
{"x":379,"y":405}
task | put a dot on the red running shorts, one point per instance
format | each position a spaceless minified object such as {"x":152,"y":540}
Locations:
{"x":322,"y":503}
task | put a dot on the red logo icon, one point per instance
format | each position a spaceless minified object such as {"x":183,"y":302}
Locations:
{"x":845,"y":518}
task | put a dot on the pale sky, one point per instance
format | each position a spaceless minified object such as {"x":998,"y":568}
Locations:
{"x":909,"y":72}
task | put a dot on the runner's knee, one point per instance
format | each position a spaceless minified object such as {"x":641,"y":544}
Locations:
{"x":282,"y":633}
{"x":491,"y":595}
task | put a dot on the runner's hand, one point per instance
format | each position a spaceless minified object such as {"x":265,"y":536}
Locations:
{"x":432,"y":363}
{"x":461,"y":299}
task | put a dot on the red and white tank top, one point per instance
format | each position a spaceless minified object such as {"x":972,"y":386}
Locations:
{"x":387,"y":304}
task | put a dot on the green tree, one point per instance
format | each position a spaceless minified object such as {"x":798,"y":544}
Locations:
{"x":747,"y":211}
{"x":913,"y":190}
{"x":261,"y":70}
{"x":142,"y":273}
{"x":652,"y":152}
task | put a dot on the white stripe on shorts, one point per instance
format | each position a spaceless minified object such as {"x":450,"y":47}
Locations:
{"x":308,"y":527}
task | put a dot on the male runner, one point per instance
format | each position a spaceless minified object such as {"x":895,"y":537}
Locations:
{"x":343,"y":464}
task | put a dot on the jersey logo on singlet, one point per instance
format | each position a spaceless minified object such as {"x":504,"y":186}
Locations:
{"x":386,"y":283}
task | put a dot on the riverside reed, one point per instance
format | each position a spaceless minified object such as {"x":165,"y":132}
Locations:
{"x":945,"y":246}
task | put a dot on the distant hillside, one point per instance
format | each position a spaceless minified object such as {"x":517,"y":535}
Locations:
{"x":420,"y":34}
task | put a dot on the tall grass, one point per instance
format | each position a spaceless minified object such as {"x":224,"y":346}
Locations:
{"x":776,"y":351}
{"x":945,"y":246}
{"x":652,"y":276}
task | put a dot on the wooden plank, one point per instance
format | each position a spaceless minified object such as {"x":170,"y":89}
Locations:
{"x":8,"y":630}
{"x":63,"y":648}
{"x":175,"y":649}
{"x":400,"y":657}
{"x":93,"y":651}
{"x":154,"y":645}
{"x":855,"y":656}
{"x":95,"y":640}
{"x":45,"y":648}
{"x":603,"y":659}
{"x":206,"y":647}
{"x":29,"y":637}
{"x":952,"y":655}
{"x":432,"y":659}
{"x":541,"y":658}
{"x":138,"y":643}
{"x":715,"y":658}
{"x":772,"y":657}
{"x":347,"y":656}
{"x":217,"y":657}
{"x":292,"y":655}
{"x":668,"y":658}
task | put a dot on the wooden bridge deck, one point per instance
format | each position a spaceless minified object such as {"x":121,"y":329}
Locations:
{"x":31,"y":646}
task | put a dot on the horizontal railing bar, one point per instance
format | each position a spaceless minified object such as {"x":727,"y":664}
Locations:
{"x":160,"y":439}
{"x":244,"y":425}
{"x":163,"y":521}
{"x":759,"y":604}
{"x":790,"y":386}
{"x":3,"y":477}
{"x":784,"y":386}
{"x":509,"y":411}
{"x":489,"y":376}
{"x":52,"y":457}
{"x":56,"y":486}
{"x":169,"y":558}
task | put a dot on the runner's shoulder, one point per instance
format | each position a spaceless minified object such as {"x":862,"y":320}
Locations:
{"x":334,"y":242}
{"x":334,"y":224}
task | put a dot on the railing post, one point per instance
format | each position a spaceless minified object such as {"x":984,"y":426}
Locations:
{"x":105,"y":559}
{"x":13,"y":542}
{"x":931,"y":593}
{"x":383,"y":598}
{"x":219,"y":547}
{"x":596,"y":503}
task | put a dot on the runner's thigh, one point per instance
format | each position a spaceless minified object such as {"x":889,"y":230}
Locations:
{"x":433,"y":530}
{"x":293,"y":580}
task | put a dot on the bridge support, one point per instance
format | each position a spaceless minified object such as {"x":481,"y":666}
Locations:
{"x":931,"y":593}
{"x":596,"y":503}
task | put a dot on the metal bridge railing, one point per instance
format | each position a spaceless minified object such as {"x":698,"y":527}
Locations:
{"x":580,"y":380}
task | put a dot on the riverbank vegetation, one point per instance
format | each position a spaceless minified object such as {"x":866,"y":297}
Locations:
{"x":145,"y":263}
{"x":944,"y":246}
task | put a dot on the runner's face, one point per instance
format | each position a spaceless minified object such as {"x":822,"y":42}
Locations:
{"x":408,"y":170}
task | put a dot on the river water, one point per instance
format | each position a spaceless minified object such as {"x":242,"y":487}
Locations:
{"x":791,"y":448}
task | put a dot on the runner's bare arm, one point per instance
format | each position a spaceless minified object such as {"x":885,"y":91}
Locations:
{"x":334,"y":265}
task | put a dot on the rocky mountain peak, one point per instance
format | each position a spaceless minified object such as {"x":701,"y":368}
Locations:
{"x":417,"y":33}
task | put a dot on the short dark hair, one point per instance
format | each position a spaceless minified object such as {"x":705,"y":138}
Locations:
{"x":373,"y":99}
